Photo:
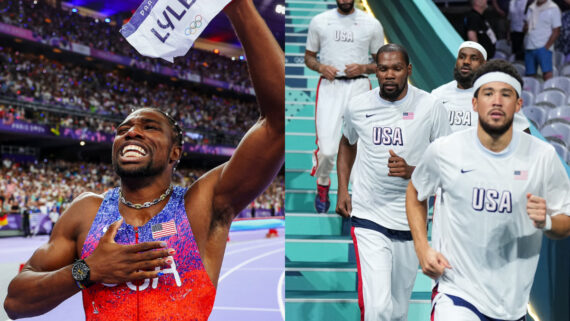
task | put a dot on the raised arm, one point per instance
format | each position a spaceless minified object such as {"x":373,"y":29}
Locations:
{"x":260,"y":154}
{"x":345,"y":160}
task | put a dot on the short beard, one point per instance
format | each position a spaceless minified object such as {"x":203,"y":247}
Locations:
{"x":141,"y":172}
{"x":341,"y":7}
{"x":496,"y":132}
{"x":391,"y":96}
{"x":465,"y":81}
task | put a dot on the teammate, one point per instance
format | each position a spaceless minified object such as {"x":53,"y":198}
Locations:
{"x":344,"y":38}
{"x":147,"y":250}
{"x":393,"y":125}
{"x":458,"y":93}
{"x":502,"y":190}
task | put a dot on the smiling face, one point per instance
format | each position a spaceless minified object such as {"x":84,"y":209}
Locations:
{"x":496,"y":103}
{"x":392,"y":73}
{"x":468,"y":60}
{"x":143,"y":145}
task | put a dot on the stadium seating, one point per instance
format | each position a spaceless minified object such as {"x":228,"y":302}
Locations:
{"x":537,"y":115}
{"x":558,"y":83}
{"x":532,"y":84}
{"x":520,"y":68}
{"x":560,"y":148}
{"x":528,"y":98}
{"x":559,"y":113}
{"x":552,"y":98}
{"x":565,"y":70}
{"x":558,"y":130}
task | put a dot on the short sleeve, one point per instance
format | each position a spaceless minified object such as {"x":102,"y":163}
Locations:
{"x":557,"y":186}
{"x":427,"y":176}
{"x":440,"y":126}
{"x":470,"y":23}
{"x":377,"y":37}
{"x":556,"y":18}
{"x":313,"y":41}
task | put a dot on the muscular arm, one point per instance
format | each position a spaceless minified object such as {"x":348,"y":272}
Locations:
{"x":260,"y":154}
{"x":560,"y":227}
{"x":327,"y":71}
{"x":345,"y":160}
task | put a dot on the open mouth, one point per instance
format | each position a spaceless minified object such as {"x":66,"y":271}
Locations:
{"x":133,"y":151}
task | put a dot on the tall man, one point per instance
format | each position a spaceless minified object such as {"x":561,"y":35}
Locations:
{"x":501,"y":191}
{"x":393,"y":125}
{"x":344,"y":38}
{"x":542,"y":24}
{"x":147,"y":250}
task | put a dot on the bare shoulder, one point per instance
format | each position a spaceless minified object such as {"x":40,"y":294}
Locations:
{"x":80,"y":214}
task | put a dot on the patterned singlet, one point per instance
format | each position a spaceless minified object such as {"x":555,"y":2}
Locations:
{"x":183,"y":292}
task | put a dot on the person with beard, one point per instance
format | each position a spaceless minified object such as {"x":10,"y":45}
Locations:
{"x":393,"y":125}
{"x":345,"y":38}
{"x":148,"y":250}
{"x":502,"y":190}
{"x":457,"y":94}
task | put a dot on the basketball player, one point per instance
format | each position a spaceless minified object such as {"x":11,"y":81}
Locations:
{"x":457,"y":94}
{"x":344,"y":38}
{"x":147,"y":250}
{"x":393,"y":125}
{"x":501,"y":190}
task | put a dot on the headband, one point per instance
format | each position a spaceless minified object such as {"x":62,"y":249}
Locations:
{"x":474,"y":45}
{"x":498,"y":76}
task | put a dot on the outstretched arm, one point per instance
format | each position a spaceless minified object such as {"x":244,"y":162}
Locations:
{"x":260,"y":154}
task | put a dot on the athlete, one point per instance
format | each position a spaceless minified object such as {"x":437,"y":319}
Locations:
{"x":147,"y":250}
{"x":393,"y":125}
{"x":344,"y":38}
{"x":501,"y":191}
{"x":457,"y":94}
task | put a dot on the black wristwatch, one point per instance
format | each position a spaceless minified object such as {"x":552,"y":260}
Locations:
{"x":80,"y":272}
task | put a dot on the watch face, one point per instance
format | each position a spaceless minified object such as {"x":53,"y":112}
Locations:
{"x":80,"y":271}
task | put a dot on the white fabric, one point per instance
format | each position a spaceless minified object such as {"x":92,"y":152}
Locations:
{"x":388,"y":270}
{"x":332,"y":98}
{"x":541,"y":20}
{"x":474,"y":45}
{"x":516,"y":14}
{"x":489,"y":241}
{"x":344,"y":39}
{"x":375,"y":195}
{"x":167,"y":29}
{"x":445,"y":310}
{"x":459,"y":105}
{"x":498,"y":76}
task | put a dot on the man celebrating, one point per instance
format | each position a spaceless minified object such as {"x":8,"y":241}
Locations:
{"x":393,"y":126}
{"x":501,"y":190}
{"x":148,"y":250}
{"x":344,"y":37}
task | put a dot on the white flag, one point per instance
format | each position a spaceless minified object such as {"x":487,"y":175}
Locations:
{"x":168,"y":28}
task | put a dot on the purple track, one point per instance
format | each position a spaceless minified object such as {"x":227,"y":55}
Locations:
{"x":250,"y":287}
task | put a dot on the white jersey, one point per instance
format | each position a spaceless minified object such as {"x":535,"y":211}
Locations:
{"x":344,"y":39}
{"x":486,"y":234}
{"x":459,"y":105}
{"x":406,"y":126}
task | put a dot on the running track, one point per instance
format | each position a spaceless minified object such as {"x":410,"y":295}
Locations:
{"x":251,"y":284}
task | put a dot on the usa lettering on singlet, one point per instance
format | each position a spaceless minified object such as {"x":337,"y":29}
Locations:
{"x":406,"y":126}
{"x":485,"y":232}
{"x":344,"y":39}
{"x":184,"y":291}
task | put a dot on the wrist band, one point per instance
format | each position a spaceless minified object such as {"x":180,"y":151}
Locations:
{"x":547,"y":223}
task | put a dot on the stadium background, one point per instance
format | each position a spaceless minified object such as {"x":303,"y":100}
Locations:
{"x":320,"y":268}
{"x":67,"y":78}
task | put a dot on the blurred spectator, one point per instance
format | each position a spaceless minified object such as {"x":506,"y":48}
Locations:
{"x":543,"y":21}
{"x":498,"y":17}
{"x":563,"y":42}
{"x":517,"y":9}
{"x":478,"y":29}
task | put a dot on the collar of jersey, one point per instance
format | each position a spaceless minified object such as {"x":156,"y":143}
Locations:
{"x":502,"y":154}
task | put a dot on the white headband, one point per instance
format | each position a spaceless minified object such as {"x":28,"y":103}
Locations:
{"x":474,"y":45}
{"x":498,"y":76}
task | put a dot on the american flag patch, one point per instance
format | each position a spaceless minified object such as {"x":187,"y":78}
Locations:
{"x":163,"y":229}
{"x":521,"y":175}
{"x":408,"y":115}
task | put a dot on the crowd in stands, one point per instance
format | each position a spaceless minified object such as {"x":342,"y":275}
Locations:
{"x":58,"y":182}
{"x":30,"y":77}
{"x":61,"y":27}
